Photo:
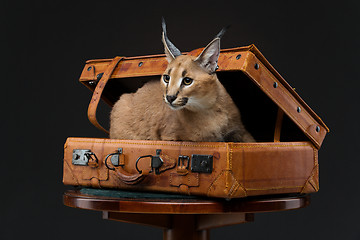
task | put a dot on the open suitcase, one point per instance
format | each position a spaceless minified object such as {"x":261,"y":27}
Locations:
{"x":271,"y":110}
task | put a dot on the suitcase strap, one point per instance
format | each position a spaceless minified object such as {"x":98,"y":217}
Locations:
{"x":278,"y":124}
{"x":98,"y":92}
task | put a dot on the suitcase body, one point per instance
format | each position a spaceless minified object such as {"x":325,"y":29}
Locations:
{"x":283,"y":160}
{"x":228,"y":170}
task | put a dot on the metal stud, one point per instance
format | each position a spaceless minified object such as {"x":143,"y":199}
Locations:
{"x":257,"y":66}
{"x":99,"y":76}
{"x":89,"y":68}
{"x":140,"y":64}
{"x":317,"y":129}
{"x":275,"y":84}
{"x":238,"y":57}
{"x":298,"y":109}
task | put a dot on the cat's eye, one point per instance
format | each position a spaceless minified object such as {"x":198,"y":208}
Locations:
{"x":166,"y":78}
{"x":187,"y":81}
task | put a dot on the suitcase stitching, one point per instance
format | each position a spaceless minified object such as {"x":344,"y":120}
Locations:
{"x":230,"y":193}
{"x":216,"y":179}
{"x":236,"y":186}
{"x":316,"y":166}
{"x":189,"y":145}
{"x":271,"y":146}
{"x":149,"y":144}
{"x":272,"y":188}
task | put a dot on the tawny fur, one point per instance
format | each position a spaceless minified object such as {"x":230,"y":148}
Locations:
{"x":145,"y":115}
{"x":203,"y":111}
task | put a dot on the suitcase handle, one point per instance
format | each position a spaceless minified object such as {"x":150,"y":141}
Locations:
{"x":128,"y":178}
{"x":98,"y":92}
{"x":158,"y":165}
{"x":123,"y":175}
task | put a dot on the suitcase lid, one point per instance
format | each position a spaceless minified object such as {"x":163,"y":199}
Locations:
{"x":248,"y":60}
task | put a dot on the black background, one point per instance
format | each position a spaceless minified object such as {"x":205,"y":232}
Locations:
{"x":44,"y":46}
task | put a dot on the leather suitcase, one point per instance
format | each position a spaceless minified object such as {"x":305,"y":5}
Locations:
{"x":283,"y":160}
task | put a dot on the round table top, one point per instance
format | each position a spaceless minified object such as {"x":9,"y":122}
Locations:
{"x":171,"y":205}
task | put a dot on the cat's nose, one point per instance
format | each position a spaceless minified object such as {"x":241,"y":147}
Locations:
{"x":171,"y":98}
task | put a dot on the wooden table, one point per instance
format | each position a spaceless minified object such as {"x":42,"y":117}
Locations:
{"x":181,"y":218}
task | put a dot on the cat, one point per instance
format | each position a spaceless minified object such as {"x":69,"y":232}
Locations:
{"x":188,"y":103}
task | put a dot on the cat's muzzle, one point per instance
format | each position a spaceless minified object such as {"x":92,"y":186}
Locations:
{"x":178,"y":103}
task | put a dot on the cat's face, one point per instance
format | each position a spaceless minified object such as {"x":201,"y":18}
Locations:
{"x":186,"y":84}
{"x":190,"y":82}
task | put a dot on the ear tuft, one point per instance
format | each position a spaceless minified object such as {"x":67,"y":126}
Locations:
{"x":222,"y":32}
{"x":171,"y":51}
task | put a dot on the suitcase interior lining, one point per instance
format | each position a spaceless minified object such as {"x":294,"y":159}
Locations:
{"x":257,"y":110}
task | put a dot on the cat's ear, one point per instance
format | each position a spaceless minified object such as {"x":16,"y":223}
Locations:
{"x":208,"y":58}
{"x":171,"y":51}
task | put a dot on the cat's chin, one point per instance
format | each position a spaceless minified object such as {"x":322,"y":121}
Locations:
{"x":176,"y":107}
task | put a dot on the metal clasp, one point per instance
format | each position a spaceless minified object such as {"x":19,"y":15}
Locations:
{"x":117,"y":159}
{"x":156,"y":162}
{"x":183,"y":164}
{"x":201,"y":163}
{"x":84,"y":157}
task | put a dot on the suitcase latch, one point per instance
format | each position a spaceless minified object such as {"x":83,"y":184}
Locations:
{"x":201,"y":163}
{"x":183,"y":164}
{"x":117,"y":159}
{"x":156,"y":162}
{"x":83,"y":157}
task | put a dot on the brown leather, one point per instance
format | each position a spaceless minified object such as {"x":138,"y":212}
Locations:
{"x":136,"y":178}
{"x":239,"y":169}
{"x":98,"y":92}
{"x":278,"y":125}
{"x":129,"y":179}
{"x":236,"y":59}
